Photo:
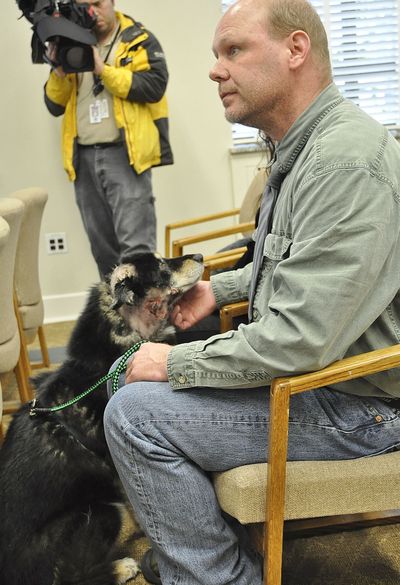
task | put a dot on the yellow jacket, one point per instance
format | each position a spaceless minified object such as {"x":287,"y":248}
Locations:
{"x":137,"y":81}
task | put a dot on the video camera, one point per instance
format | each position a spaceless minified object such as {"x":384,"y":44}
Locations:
{"x":68,"y":25}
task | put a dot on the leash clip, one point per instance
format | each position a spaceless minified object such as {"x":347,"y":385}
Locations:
{"x":32,"y":411}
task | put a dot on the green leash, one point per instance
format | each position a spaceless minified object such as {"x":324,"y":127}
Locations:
{"x":115,"y":374}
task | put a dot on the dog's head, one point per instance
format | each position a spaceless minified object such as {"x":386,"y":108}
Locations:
{"x":145,"y":288}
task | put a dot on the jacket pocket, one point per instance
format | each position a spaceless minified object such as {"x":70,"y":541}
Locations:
{"x":277,"y":247}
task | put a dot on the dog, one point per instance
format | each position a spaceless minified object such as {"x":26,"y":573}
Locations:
{"x":63,"y":514}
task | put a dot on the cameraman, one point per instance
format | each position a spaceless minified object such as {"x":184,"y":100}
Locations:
{"x":115,"y":129}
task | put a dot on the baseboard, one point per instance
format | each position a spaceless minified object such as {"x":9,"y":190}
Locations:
{"x":66,"y":307}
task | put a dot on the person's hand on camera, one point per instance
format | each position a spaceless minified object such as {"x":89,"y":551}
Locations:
{"x":195,"y":304}
{"x":51,"y":54}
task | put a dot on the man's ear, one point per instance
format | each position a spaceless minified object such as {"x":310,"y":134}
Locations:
{"x":299,"y":46}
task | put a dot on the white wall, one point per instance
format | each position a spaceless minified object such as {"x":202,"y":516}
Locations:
{"x":200,"y":180}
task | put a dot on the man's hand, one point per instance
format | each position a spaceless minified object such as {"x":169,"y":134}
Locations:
{"x":51,"y":54}
{"x":149,"y":363}
{"x":195,"y":304}
{"x":98,"y":61}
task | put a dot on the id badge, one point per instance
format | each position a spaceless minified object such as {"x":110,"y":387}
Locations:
{"x":95,"y":116}
{"x":98,"y":111}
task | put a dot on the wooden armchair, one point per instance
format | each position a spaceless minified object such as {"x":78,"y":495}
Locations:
{"x":245,"y":226}
{"x":275,"y":497}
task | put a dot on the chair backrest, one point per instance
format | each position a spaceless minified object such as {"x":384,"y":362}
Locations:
{"x":27,"y":283}
{"x":252,"y":198}
{"x":11,"y":211}
{"x":4,"y":235}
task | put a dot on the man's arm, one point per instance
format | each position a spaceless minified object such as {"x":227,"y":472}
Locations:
{"x":143,"y":74}
{"x":329,"y":287}
{"x":57,"y":92}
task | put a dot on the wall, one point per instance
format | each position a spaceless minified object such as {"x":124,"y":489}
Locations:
{"x":198,"y":183}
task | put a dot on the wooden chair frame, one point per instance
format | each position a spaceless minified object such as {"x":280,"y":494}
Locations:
{"x":194,"y":221}
{"x":281,"y":391}
{"x":214,"y":261}
{"x":228,"y":312}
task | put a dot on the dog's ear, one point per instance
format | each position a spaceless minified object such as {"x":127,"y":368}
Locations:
{"x":123,"y":295}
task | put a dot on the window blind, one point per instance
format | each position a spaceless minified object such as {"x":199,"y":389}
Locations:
{"x":363,"y":39}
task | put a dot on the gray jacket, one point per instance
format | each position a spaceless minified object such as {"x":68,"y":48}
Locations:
{"x":330,"y":278}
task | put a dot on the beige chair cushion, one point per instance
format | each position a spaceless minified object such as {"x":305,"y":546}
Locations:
{"x":32,"y":317}
{"x":9,"y":353}
{"x":11,"y":211}
{"x":1,"y":403}
{"x":9,"y":337}
{"x":27,"y":283}
{"x":314,"y":488}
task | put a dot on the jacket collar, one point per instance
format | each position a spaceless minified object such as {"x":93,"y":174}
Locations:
{"x":289,"y":148}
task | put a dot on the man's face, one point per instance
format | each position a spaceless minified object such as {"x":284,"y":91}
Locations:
{"x":105,"y":13}
{"x":250,"y":67}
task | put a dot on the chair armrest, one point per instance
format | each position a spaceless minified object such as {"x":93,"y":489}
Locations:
{"x":225,"y":259}
{"x":178,"y":245}
{"x":228,"y":312}
{"x":194,"y":221}
{"x":343,"y":370}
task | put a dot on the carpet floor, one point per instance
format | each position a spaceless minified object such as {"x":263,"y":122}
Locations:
{"x":360,"y":557}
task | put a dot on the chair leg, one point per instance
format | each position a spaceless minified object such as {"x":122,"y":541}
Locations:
{"x":23,"y":369}
{"x":43,"y":348}
{"x":22,"y":373}
{"x":275,"y":504}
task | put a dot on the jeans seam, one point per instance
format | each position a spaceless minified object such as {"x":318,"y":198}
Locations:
{"x":138,"y":478}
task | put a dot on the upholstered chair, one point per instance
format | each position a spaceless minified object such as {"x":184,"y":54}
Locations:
{"x":27,"y":283}
{"x":4,"y":235}
{"x":11,"y":351}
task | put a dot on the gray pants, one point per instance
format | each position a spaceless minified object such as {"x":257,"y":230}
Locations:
{"x":116,"y":205}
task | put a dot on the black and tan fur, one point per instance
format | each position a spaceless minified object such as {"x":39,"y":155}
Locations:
{"x":62,"y":510}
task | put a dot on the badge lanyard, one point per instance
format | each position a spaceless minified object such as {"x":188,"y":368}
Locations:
{"x":99,"y":109}
{"x":98,"y":85}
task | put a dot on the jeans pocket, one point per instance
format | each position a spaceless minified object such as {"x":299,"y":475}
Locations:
{"x":348,"y":412}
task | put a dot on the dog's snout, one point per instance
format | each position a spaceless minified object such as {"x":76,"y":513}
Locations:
{"x":198,"y":257}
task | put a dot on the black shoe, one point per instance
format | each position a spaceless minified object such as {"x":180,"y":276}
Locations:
{"x":149,"y":568}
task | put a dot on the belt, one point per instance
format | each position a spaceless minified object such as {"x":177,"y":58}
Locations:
{"x":100,"y":145}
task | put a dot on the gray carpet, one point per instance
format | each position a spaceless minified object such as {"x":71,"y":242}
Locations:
{"x":56,"y":355}
{"x":361,"y":557}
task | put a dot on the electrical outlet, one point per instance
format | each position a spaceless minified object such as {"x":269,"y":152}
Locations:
{"x":57,"y":243}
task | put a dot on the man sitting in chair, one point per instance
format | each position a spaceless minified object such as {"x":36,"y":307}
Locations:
{"x":324,"y":284}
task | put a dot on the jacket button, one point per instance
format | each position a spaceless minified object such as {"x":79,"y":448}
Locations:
{"x":378,"y":418}
{"x":181,"y":379}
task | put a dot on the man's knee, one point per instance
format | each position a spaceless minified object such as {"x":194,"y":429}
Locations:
{"x":133,"y":404}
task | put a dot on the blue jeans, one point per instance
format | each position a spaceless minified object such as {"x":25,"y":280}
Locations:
{"x":165,"y":444}
{"x":116,"y":205}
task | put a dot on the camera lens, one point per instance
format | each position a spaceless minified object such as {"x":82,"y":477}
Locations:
{"x":75,"y":58}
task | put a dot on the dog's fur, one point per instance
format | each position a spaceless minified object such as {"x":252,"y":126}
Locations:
{"x":62,"y":510}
